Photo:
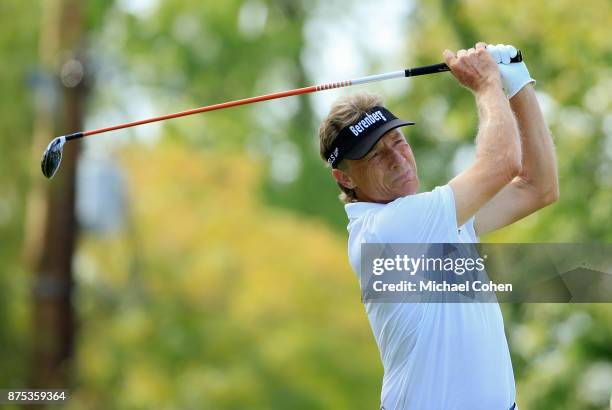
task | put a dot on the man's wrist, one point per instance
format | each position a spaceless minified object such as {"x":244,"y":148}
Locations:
{"x":493,"y":105}
{"x":517,"y":86}
{"x":490,"y":88}
{"x":522,"y":93}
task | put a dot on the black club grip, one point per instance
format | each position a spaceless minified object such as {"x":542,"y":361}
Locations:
{"x":439,"y":68}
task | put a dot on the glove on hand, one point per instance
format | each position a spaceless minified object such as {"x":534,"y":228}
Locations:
{"x":514,"y":75}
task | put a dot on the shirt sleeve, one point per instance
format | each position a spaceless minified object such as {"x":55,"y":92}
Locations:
{"x":429,"y":217}
{"x":469,"y":227}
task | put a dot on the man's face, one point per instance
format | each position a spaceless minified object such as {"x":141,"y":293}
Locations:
{"x":386,"y":173}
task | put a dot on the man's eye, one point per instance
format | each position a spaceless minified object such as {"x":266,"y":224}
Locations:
{"x":374,"y":155}
{"x":399,"y":142}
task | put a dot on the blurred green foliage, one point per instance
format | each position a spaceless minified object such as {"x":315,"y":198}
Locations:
{"x":229,"y":305}
{"x":229,"y":289}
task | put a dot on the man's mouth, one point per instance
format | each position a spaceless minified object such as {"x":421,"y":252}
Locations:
{"x":405,"y":176}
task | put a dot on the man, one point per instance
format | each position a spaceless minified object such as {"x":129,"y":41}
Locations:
{"x":441,"y":355}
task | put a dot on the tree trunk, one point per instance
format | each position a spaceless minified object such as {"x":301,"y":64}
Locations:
{"x":51,"y":224}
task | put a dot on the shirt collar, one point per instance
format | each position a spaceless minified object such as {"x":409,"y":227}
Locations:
{"x":355,"y":210}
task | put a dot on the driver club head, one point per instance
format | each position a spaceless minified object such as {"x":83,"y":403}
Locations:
{"x":52,"y":157}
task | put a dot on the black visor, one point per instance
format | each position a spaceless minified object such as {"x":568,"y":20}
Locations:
{"x":356,"y":140}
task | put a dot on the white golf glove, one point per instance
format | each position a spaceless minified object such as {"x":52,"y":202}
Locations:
{"x":514,"y":75}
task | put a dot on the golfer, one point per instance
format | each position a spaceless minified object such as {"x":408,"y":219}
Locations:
{"x":443,"y":356}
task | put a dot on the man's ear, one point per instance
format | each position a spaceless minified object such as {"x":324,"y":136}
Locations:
{"x":343,"y":178}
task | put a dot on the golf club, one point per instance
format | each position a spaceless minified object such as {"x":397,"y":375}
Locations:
{"x":52,"y":157}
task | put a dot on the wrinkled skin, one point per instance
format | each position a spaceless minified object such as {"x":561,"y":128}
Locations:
{"x":386,"y":173}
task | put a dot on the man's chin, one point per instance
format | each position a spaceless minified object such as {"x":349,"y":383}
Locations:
{"x":409,"y":186}
{"x":412,"y":190}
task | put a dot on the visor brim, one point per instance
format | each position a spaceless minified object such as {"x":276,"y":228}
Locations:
{"x":364,"y":146}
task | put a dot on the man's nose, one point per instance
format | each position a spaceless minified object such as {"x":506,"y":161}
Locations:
{"x":396,"y":158}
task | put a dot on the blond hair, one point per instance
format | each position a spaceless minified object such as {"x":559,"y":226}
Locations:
{"x":345,"y":111}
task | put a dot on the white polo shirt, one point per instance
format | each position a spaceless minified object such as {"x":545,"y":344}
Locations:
{"x":436,"y":356}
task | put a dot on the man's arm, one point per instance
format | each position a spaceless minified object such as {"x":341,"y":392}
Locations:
{"x":498,"y":149}
{"x":536,"y":186}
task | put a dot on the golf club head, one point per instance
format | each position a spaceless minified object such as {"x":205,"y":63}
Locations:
{"x":52,"y":157}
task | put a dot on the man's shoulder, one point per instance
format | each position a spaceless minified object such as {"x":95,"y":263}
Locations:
{"x":418,"y":206}
{"x":415,"y":218}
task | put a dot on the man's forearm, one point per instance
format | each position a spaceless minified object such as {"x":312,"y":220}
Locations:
{"x":498,"y":142}
{"x":538,"y":164}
